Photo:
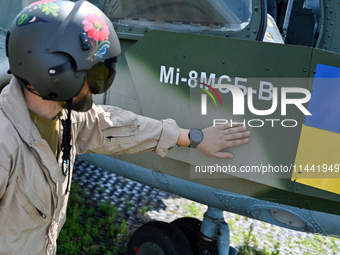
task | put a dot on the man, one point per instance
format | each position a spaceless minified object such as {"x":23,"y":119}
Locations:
{"x":61,"y":53}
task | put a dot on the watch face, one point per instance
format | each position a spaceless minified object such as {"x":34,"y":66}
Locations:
{"x":196,"y":135}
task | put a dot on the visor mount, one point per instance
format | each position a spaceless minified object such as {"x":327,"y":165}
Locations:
{"x":85,"y":41}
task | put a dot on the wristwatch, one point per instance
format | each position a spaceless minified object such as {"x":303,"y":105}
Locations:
{"x":195,"y":137}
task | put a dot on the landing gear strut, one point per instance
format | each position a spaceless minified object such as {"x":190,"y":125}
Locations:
{"x":184,"y":236}
{"x":214,"y":234}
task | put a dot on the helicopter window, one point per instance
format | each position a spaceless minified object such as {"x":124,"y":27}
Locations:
{"x":192,"y":15}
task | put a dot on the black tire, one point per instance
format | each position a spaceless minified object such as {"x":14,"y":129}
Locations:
{"x":190,"y":227}
{"x":158,"y":238}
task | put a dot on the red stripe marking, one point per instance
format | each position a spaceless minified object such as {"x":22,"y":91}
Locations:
{"x":136,"y":249}
{"x":213,"y":90}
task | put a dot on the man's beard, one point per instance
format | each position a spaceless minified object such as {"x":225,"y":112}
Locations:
{"x":84,"y":104}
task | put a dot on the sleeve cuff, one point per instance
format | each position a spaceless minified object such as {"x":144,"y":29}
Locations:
{"x":168,"y":137}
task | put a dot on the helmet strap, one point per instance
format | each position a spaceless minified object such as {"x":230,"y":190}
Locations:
{"x":62,"y":68}
{"x":66,"y":143}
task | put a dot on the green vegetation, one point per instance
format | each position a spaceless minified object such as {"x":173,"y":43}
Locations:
{"x":93,"y":228}
{"x":142,"y":210}
{"x":317,"y":245}
{"x":249,"y":246}
{"x":192,"y":210}
{"x":90,"y":228}
{"x":248,"y":241}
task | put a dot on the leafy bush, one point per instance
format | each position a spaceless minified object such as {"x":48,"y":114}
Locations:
{"x":90,"y":228}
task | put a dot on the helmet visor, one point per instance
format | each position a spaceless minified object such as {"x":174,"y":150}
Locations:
{"x":101,"y":75}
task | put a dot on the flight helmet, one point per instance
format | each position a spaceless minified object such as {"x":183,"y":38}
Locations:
{"x":54,"y":45}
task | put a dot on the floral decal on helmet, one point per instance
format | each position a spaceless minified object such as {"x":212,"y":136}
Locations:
{"x":26,"y":19}
{"x":98,"y":33}
{"x":47,"y":6}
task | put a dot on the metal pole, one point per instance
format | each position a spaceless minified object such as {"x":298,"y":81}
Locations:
{"x":287,"y":19}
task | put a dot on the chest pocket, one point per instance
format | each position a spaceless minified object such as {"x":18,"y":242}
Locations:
{"x":28,"y":201}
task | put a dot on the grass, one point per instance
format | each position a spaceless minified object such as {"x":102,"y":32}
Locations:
{"x":90,"y":228}
{"x":192,"y":210}
{"x":268,"y":240}
{"x":250,"y":243}
{"x":257,"y":237}
{"x":93,"y":228}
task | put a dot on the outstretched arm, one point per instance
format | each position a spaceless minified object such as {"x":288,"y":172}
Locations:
{"x":217,"y":138}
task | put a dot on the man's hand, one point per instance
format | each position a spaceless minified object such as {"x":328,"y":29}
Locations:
{"x":222,"y":136}
{"x":217,"y":138}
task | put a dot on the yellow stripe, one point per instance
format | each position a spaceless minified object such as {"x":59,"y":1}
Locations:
{"x":319,"y":150}
{"x":210,"y":96}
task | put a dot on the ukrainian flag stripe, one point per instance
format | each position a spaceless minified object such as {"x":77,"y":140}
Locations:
{"x":318,"y":155}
